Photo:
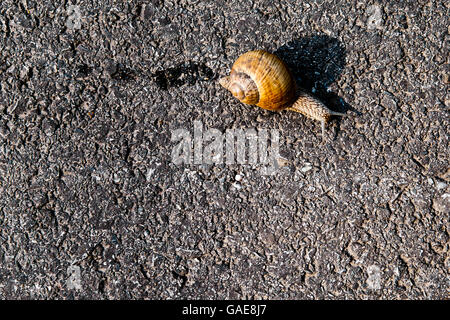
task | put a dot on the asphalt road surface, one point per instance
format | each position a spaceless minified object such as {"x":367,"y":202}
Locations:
{"x":95,"y":204}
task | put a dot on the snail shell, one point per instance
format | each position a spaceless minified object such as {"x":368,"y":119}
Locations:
{"x":261,"y":78}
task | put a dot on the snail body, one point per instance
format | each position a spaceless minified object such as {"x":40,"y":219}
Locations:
{"x":261,"y":78}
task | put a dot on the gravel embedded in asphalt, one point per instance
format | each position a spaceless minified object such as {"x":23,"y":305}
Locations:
{"x":93,"y":206}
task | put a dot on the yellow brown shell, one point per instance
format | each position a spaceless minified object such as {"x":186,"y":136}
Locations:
{"x":261,"y":78}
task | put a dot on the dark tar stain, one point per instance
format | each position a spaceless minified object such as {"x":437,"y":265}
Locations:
{"x":188,"y":72}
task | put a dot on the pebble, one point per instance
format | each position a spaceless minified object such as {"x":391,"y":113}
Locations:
{"x":306,"y":167}
{"x":374,"y":277}
{"x":375,"y":19}
{"x":237,"y":186}
{"x":441,"y":185}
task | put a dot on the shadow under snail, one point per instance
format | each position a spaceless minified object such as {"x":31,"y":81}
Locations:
{"x":261,"y":78}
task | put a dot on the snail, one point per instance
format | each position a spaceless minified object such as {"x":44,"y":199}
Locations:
{"x":261,"y":78}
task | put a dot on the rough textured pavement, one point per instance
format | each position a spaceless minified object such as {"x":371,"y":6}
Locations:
{"x":92,"y":205}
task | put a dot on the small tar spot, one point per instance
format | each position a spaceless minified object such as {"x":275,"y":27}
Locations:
{"x":188,"y":72}
{"x":122,"y":73}
{"x":83,"y":70}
